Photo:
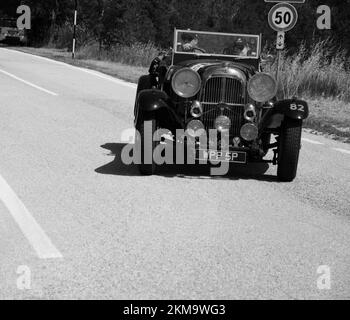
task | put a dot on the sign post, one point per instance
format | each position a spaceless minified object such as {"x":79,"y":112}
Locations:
{"x":282,"y":18}
{"x":280,"y":45}
{"x":75,"y":28}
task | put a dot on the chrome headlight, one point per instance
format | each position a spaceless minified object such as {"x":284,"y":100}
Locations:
{"x":262,"y":87}
{"x":186,"y":83}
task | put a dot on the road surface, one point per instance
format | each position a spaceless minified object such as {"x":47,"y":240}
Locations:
{"x":77,"y":223}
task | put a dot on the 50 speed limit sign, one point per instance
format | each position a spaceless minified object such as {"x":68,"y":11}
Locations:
{"x":283,"y":17}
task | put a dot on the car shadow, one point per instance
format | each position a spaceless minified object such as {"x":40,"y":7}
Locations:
{"x":116,"y":167}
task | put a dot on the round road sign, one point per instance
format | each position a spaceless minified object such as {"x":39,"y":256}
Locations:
{"x":283,"y":17}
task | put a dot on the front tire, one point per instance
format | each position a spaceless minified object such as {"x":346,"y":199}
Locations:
{"x":147,"y":169}
{"x":145,"y":82}
{"x":289,"y":150}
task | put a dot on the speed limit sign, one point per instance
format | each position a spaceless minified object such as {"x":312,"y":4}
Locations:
{"x":283,"y":17}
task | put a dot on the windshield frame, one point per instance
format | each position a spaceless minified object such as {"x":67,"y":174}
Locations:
{"x":208,"y":55}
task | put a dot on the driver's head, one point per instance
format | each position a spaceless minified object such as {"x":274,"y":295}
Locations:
{"x":191,"y":38}
{"x":239,"y":44}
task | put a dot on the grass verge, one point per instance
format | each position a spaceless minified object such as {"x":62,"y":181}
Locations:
{"x":115,"y":69}
{"x":329,"y":116}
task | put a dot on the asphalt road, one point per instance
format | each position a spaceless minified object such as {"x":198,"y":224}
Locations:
{"x":87,"y":226}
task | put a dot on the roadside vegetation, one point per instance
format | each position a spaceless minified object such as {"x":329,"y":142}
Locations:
{"x":137,"y":54}
{"x":318,"y":75}
{"x":322,"y":77}
{"x":321,"y":72}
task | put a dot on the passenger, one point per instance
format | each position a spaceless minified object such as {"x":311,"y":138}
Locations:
{"x":237,"y":49}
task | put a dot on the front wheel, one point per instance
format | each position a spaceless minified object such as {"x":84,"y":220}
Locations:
{"x":289,"y":150}
{"x":145,"y":82}
{"x":146,"y":131}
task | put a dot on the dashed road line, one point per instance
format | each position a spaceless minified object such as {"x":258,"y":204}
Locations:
{"x":342,"y":150}
{"x":28,"y":83}
{"x":28,"y":225}
{"x":312,"y":141}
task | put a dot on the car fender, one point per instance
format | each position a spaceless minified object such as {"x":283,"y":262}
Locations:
{"x":148,"y":101}
{"x":152,"y":101}
{"x":292,"y":108}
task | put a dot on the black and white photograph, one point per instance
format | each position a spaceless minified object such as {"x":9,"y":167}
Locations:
{"x":195,"y":151}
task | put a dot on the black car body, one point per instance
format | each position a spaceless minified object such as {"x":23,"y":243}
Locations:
{"x":216,"y":83}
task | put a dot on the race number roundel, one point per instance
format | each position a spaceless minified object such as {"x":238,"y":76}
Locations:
{"x":283,"y":17}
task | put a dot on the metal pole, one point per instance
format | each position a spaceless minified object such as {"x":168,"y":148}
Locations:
{"x":278,"y":65}
{"x":75,"y":28}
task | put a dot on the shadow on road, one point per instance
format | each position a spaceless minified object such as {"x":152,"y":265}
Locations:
{"x":117,"y":167}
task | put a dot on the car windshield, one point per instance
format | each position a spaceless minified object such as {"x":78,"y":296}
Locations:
{"x":219,"y":44}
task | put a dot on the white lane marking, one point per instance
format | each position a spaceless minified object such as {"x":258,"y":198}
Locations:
{"x":312,"y":141}
{"x":342,"y":150}
{"x":92,"y":72}
{"x":28,"y":225}
{"x":28,"y":83}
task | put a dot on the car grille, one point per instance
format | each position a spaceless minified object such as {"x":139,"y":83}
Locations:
{"x":228,"y":91}
{"x":223,"y":90}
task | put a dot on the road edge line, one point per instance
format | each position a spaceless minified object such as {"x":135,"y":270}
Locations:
{"x":35,"y":235}
{"x":89,"y":71}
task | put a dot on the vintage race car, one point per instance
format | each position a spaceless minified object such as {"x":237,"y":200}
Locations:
{"x":213,"y":85}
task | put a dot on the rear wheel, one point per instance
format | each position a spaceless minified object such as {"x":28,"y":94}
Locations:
{"x":147,"y":130}
{"x":289,"y":150}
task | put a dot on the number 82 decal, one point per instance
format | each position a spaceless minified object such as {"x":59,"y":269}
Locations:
{"x":297,"y":107}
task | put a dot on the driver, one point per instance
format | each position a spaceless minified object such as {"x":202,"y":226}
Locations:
{"x":190,"y":43}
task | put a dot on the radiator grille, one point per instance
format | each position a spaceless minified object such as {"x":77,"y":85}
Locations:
{"x":228,"y":91}
{"x":223,"y":90}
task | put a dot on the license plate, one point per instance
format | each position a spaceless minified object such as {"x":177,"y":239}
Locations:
{"x":218,"y":156}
